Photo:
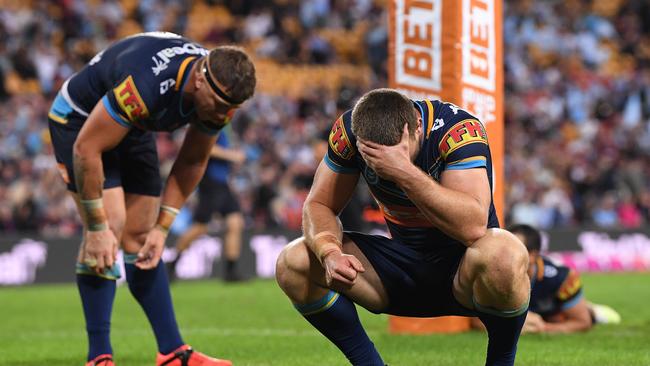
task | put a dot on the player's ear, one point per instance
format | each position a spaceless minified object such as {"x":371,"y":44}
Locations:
{"x":419,"y":128}
{"x":198,"y":81}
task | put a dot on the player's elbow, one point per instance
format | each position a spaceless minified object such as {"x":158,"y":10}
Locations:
{"x":577,"y":321}
{"x":313,"y":206}
{"x":84,"y":149}
{"x":473,"y":233}
{"x":584,"y":324}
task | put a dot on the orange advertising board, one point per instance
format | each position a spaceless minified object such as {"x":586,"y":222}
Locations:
{"x":452,"y":50}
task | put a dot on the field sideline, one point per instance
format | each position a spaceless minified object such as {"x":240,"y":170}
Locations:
{"x":254,"y":325}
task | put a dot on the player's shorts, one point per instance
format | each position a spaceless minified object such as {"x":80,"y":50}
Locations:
{"x":418,"y":284}
{"x":214,"y":196}
{"x":133,"y":164}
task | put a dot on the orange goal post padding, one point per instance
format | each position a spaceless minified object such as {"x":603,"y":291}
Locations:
{"x":451,"y":50}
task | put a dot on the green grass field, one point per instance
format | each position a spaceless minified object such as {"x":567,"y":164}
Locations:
{"x":254,"y":324}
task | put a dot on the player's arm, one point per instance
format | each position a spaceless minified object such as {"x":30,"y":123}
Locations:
{"x":231,"y":155}
{"x":574,"y":319}
{"x":574,"y":315}
{"x":322,"y":230}
{"x":329,"y":194}
{"x":187,"y":171}
{"x":458,"y":205}
{"x":185,"y":175}
{"x":99,"y":133}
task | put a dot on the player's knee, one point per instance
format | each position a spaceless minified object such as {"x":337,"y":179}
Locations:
{"x":293,"y":261}
{"x":504,"y":259}
{"x":133,"y":239}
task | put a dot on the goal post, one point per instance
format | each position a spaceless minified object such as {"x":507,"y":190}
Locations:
{"x":451,"y":50}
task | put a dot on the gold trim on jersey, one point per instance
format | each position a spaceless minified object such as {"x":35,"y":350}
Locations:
{"x":429,"y":117}
{"x":540,"y":268}
{"x":56,"y":118}
{"x":181,"y":71}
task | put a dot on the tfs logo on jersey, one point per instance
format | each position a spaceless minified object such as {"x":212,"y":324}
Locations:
{"x":162,"y":59}
{"x":461,"y":134}
{"x":339,"y":141}
{"x":130,"y":100}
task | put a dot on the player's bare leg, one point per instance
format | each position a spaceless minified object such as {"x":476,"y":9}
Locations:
{"x":493,"y":272}
{"x":97,"y":289}
{"x":115,"y":212}
{"x":151,"y":287}
{"x":191,"y":234}
{"x":182,"y":243}
{"x":493,"y":280}
{"x":232,"y":244}
{"x":141,"y":214}
{"x":301,"y":276}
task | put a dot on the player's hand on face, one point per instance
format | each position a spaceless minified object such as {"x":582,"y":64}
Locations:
{"x":341,"y":269}
{"x":100,"y":250}
{"x":150,"y":253}
{"x":534,"y":324}
{"x":389,"y":162}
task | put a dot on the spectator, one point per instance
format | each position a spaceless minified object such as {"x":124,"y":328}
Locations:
{"x":577,"y":79}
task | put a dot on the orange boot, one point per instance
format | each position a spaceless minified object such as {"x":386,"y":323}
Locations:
{"x":186,"y":356}
{"x":101,"y":360}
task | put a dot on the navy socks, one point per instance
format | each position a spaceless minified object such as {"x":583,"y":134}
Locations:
{"x":503,"y":329}
{"x":97,"y":296}
{"x":151,"y":289}
{"x":335,"y":316}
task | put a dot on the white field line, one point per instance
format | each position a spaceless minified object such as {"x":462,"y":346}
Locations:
{"x":215,"y":331}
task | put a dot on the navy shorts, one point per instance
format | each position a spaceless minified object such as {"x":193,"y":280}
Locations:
{"x":214,"y":197}
{"x":133,"y":164}
{"x":418,"y":284}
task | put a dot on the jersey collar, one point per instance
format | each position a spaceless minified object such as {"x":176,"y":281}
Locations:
{"x":181,"y":78}
{"x":422,"y":118}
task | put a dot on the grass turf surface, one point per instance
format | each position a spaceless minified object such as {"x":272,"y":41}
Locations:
{"x":254,"y":324}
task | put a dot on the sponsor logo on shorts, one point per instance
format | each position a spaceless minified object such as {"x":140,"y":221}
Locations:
{"x":339,"y":141}
{"x":462,"y":133}
{"x":130,"y":101}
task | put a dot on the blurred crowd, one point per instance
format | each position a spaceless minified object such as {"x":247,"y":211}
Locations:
{"x":578,"y":112}
{"x":577,"y":100}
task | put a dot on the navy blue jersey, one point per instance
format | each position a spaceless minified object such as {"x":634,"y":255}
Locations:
{"x":554,"y":288}
{"x":140,"y":81}
{"x":453,"y":139}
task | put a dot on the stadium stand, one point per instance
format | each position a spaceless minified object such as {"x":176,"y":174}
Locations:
{"x":577,"y":76}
